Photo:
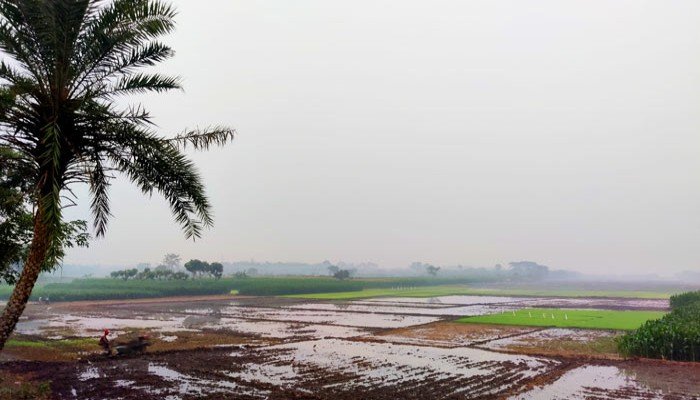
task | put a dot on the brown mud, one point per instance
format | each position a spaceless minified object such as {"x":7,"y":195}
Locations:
{"x":224,"y":347}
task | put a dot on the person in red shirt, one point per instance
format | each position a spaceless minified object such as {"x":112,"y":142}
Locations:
{"x":104,"y":343}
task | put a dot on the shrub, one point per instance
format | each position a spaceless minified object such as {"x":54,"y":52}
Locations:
{"x":685,"y":299}
{"x":676,"y":336}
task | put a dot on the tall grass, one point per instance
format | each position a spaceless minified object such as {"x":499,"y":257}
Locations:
{"x":673,"y":337}
{"x":685,"y":299}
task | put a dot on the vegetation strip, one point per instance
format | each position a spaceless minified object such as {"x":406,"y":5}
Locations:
{"x":673,"y":337}
{"x":319,"y":288}
{"x":109,"y":289}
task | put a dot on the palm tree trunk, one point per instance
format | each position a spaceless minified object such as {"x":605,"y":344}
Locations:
{"x":23,"y":289}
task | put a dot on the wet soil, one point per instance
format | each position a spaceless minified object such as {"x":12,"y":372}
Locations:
{"x":225,"y":347}
{"x":451,"y":334}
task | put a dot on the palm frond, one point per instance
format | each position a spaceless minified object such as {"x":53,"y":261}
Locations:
{"x":141,"y":83}
{"x":203,"y":139}
{"x":64,"y":64}
{"x":155,"y":165}
{"x":99,"y":186}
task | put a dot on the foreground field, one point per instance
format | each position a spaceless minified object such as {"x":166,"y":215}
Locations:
{"x":221,"y":347}
{"x":589,"y":319}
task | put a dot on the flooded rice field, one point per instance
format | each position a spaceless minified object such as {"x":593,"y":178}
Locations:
{"x":617,"y":382}
{"x":389,"y":348}
{"x":602,"y":304}
{"x":451,"y":300}
{"x":544,"y":337}
{"x":459,"y":311}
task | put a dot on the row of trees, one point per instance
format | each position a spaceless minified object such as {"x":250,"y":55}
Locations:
{"x":169,"y":269}
{"x":517,"y":270}
{"x":199,"y":268}
{"x":339,"y":273}
{"x":147,"y":273}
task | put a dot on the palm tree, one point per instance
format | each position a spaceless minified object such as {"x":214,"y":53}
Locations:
{"x":67,"y":64}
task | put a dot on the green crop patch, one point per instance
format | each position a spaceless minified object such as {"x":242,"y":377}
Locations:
{"x":568,"y":318}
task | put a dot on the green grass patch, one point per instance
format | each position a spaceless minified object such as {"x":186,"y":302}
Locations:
{"x":61,"y":343}
{"x":107,"y":289}
{"x":446,"y":290}
{"x":313,"y":287}
{"x":567,"y":318}
{"x":26,"y":343}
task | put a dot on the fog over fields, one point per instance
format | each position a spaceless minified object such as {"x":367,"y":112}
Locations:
{"x":448,"y":132}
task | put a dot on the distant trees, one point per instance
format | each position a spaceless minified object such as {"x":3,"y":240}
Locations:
{"x":195,"y":267}
{"x":199,"y":268}
{"x":342,"y":274}
{"x":332,"y":270}
{"x":165,"y":271}
{"x":216,"y":269}
{"x":180,"y":276}
{"x":528,"y":270}
{"x":124,"y":274}
{"x":148,"y":273}
{"x":172,"y":261}
{"x":432,"y":270}
{"x":420,"y":268}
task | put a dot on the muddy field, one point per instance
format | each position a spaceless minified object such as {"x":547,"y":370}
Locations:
{"x":390,"y":348}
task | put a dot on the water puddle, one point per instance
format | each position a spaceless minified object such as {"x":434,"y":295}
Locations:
{"x":608,"y":382}
{"x":284,"y":330}
{"x":189,"y":385}
{"x":471,"y":310}
{"x":328,"y":317}
{"x":451,"y":300}
{"x":90,"y":326}
{"x":605,"y":304}
{"x":373,"y":365}
{"x":89,"y":373}
{"x":541,"y":337}
{"x":450,"y":334}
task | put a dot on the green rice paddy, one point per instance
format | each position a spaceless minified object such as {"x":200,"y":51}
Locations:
{"x":568,"y":318}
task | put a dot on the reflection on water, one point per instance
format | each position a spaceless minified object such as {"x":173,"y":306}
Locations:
{"x":676,"y":378}
{"x":376,"y":365}
{"x":611,"y":382}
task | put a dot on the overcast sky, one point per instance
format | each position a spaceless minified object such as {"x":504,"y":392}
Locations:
{"x":451,"y":132}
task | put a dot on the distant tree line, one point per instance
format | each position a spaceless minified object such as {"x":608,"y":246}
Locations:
{"x":169,"y":270}
{"x":340,"y":273}
{"x":148,"y":273}
{"x":199,"y":269}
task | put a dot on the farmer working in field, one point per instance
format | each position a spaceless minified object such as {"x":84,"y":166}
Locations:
{"x":104,"y":343}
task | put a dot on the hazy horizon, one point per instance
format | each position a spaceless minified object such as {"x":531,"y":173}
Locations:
{"x":449,"y":132}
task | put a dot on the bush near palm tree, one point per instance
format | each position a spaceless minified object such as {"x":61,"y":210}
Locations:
{"x":66,"y":66}
{"x":16,"y":220}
